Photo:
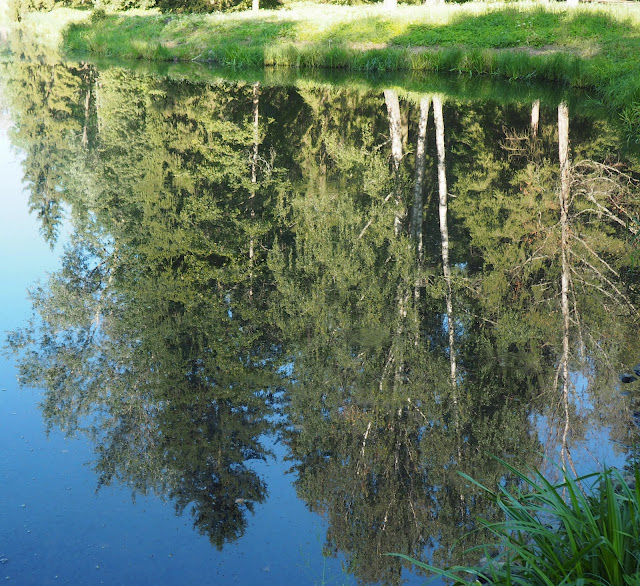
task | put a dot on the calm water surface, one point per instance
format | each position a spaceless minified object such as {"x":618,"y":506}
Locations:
{"x":269,"y":324}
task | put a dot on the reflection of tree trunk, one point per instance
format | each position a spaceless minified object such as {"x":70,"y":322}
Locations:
{"x":563,"y":150}
{"x":87,"y":104}
{"x":535,"y":118}
{"x":395,"y":132}
{"x":395,"y":126}
{"x":254,"y":171}
{"x":444,"y":232}
{"x":256,"y":133}
{"x":446,"y":270}
{"x":418,"y":189}
{"x":97,"y":93}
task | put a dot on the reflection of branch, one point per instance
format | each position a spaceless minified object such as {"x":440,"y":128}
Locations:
{"x":612,"y":285}
{"x":364,"y":439}
{"x":365,"y":228}
{"x":386,"y":517}
{"x":595,"y":254}
{"x":417,"y":409}
{"x":415,"y":517}
{"x":576,"y":320}
{"x":589,"y":193}
{"x":534,"y":255}
{"x":594,"y":285}
{"x":385,"y":368}
{"x":596,"y":344}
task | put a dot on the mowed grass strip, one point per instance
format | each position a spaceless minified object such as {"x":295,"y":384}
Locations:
{"x":586,"y":30}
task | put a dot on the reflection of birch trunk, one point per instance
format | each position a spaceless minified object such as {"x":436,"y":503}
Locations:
{"x":418,"y":188}
{"x":98,"y":101}
{"x":403,"y":303}
{"x":563,"y":150}
{"x":87,"y":105}
{"x":444,"y":232}
{"x":535,"y":119}
{"x":446,"y":271}
{"x":395,"y":126}
{"x":254,"y":174}
{"x":395,"y":133}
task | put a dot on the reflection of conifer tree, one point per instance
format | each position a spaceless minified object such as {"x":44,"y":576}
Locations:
{"x":542,"y":270}
{"x":365,"y":440}
{"x":147,"y":324}
{"x":51,"y":108}
{"x":162,"y":323}
{"x":174,"y":382}
{"x":212,"y":440}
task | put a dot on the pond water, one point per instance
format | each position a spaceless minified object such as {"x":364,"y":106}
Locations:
{"x":271,"y":318}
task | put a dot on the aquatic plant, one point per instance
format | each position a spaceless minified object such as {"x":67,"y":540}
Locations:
{"x":583,"y":530}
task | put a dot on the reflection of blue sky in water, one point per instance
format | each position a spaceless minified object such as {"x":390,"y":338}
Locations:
{"x":23,"y":253}
{"x":597,"y":447}
{"x":66,"y":530}
{"x":54,"y":528}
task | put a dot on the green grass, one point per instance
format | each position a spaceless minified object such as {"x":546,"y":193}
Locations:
{"x":579,"y":531}
{"x":589,"y":47}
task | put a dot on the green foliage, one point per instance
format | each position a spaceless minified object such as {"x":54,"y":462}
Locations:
{"x":180,"y":6}
{"x":164,"y":327}
{"x":113,"y":5}
{"x":630,"y":117}
{"x":17,"y":9}
{"x":582,"y":530}
{"x":161,"y":201}
{"x":98,"y":14}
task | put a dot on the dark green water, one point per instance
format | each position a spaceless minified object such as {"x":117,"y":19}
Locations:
{"x":269,"y":320}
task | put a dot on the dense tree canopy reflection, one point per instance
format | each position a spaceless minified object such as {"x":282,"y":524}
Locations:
{"x":398,"y":285}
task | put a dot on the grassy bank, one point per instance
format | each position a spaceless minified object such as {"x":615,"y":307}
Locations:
{"x":593,"y":47}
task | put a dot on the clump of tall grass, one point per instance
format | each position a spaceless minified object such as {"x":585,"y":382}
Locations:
{"x":579,"y":531}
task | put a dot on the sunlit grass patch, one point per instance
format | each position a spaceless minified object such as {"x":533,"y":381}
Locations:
{"x":49,"y":27}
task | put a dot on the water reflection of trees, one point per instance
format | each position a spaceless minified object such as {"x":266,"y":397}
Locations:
{"x":147,"y":339}
{"x":411,"y":272}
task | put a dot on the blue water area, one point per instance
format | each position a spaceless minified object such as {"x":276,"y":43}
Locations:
{"x":56,"y":529}
{"x":246,"y":366}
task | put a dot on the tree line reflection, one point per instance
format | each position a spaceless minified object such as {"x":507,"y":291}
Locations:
{"x":412,"y":279}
